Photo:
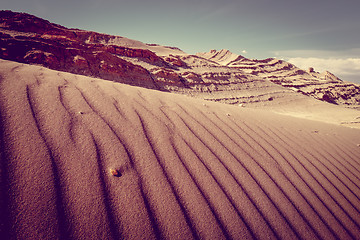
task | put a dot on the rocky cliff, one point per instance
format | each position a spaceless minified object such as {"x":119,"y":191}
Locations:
{"x":217,"y":75}
{"x":322,"y":86}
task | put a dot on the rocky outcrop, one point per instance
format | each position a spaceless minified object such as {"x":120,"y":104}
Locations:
{"x":322,"y":86}
{"x":175,"y":61}
{"x":27,"y":39}
{"x":90,"y":61}
{"x":345,"y":94}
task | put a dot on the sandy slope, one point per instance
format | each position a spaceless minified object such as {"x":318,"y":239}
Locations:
{"x":186,"y":168}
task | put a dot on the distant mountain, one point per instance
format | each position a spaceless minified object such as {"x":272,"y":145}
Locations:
{"x":217,"y":75}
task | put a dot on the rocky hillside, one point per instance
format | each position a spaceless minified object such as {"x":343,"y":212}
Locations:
{"x":323,"y":86}
{"x":216,"y":75}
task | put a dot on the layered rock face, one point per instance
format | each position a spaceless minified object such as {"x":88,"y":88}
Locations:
{"x":217,"y":75}
{"x":322,"y":86}
{"x":28,"y":39}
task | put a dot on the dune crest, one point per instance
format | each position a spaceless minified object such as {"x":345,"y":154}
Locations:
{"x":83,"y":158}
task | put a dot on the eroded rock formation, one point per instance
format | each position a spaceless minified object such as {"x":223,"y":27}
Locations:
{"x":28,"y":39}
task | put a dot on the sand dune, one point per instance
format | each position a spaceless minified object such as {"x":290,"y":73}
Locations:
{"x":83,"y":158}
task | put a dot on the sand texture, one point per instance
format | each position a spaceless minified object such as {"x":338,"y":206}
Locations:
{"x":83,"y":158}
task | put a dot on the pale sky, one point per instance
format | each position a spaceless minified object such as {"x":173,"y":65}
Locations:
{"x":324,"y":34}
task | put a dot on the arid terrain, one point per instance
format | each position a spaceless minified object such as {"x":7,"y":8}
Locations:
{"x":104,"y":137}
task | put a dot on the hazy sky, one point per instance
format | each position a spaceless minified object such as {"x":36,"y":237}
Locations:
{"x":324,"y":34}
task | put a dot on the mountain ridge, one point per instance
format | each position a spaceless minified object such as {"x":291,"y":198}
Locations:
{"x":28,"y":39}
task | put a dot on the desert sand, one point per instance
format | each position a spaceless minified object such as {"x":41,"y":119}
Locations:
{"x":84,"y":158}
